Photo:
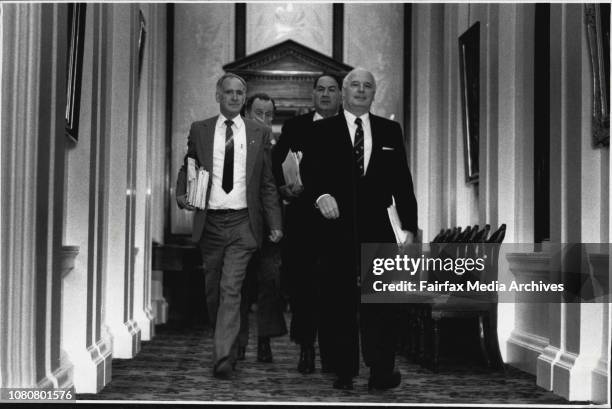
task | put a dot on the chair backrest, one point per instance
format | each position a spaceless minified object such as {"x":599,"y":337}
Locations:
{"x":454,"y":235}
{"x":499,"y":235}
{"x":482,"y":235}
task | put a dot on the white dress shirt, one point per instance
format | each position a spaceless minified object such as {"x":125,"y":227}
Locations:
{"x":236,"y":198}
{"x":367,"y":135}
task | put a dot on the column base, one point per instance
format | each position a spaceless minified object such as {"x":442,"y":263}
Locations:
{"x":146,"y":323}
{"x":125,"y":339}
{"x":61,"y":377}
{"x":161,"y":311}
{"x":524,"y":349}
{"x":545,"y":365}
{"x":92,"y":368}
{"x":600,"y":383}
{"x":572,"y":376}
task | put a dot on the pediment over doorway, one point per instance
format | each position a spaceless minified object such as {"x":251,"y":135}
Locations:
{"x":286,"y":72}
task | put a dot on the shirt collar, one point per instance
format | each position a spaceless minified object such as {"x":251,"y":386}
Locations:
{"x":317,"y":116}
{"x":238,"y":122}
{"x":350,"y":118}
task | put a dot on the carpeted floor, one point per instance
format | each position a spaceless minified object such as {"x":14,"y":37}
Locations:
{"x":175,"y":366}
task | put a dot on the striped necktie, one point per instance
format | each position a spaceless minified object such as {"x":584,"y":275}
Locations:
{"x":358,"y":147}
{"x":228,"y":161}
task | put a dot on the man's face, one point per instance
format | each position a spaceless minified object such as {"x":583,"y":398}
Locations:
{"x":359,"y":92}
{"x":326,"y":95}
{"x":231,"y":97}
{"x":262,"y":111}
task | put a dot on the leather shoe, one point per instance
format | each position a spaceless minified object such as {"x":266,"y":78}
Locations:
{"x":223,"y":368}
{"x":241,"y":353}
{"x":386,"y":381}
{"x":264,"y":352}
{"x":306,"y":365}
{"x":343,"y":383}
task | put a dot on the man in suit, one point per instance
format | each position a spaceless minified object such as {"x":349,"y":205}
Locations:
{"x":352,"y":182}
{"x":298,"y":245}
{"x":241,"y":193}
{"x":262,"y":279}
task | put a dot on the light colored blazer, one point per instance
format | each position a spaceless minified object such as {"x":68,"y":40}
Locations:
{"x":262,"y":195}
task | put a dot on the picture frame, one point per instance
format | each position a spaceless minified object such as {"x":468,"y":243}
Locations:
{"x":74,"y":73}
{"x":469,"y":71}
{"x":142,"y":36}
{"x":597,"y":18}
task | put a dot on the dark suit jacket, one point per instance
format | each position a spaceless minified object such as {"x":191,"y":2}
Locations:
{"x":363,"y":210}
{"x":294,"y":136}
{"x":262,"y":196}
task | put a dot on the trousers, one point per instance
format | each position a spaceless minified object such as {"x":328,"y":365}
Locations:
{"x":227,"y":245}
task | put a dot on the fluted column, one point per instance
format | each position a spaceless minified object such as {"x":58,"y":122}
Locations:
{"x":122,"y":121}
{"x":143,"y":312}
{"x":87,"y":344}
{"x":33,"y":106}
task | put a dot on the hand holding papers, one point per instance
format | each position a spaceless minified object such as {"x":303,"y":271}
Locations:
{"x":396,"y":224}
{"x":197,"y":185}
{"x":291,"y":169}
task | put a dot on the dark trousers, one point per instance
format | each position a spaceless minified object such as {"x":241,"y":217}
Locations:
{"x":344,"y":320}
{"x":227,"y":244}
{"x":303,"y":268}
{"x":263,"y":285}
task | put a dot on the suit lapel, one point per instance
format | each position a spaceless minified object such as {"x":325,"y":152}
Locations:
{"x":376,"y":137}
{"x":252,"y":134}
{"x":208,"y":144}
{"x":346,"y":137}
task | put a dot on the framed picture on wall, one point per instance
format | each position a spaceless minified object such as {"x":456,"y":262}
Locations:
{"x":469,"y":67}
{"x":76,"y":39}
{"x":142,"y":36}
{"x":598,"y":36}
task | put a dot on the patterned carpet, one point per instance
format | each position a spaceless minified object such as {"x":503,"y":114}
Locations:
{"x":175,"y":366}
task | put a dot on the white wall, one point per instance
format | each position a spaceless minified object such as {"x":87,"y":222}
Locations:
{"x":561,"y":344}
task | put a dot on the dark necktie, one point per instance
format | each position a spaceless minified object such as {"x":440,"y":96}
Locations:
{"x":228,"y":161}
{"x":358,"y":147}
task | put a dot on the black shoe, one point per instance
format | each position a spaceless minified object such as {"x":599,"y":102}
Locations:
{"x":386,"y":381}
{"x":343,"y":383}
{"x":223,"y":368}
{"x":306,"y":365}
{"x":264,"y":352}
{"x":241,"y":354}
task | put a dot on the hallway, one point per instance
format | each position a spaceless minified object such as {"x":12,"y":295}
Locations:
{"x":174,"y":366}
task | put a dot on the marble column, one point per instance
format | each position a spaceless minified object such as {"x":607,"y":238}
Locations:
{"x":121,"y":123}
{"x":87,"y":344}
{"x":34,"y":42}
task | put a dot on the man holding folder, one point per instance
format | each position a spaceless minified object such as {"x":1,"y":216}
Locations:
{"x":352,"y":182}
{"x":241,"y":192}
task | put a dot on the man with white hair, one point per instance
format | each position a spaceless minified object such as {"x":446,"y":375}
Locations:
{"x":241,"y":196}
{"x":359,"y":168}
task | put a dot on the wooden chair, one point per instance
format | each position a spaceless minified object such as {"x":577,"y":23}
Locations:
{"x":447,"y":307}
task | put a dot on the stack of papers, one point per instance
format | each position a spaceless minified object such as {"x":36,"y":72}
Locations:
{"x":197,"y":185}
{"x":396,"y":224}
{"x":291,"y":169}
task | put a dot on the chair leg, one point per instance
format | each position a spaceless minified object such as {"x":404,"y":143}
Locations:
{"x":436,"y":345}
{"x":422,"y":354}
{"x":413,"y":338}
{"x":483,"y":340}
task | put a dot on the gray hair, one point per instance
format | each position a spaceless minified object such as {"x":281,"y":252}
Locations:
{"x":348,"y":76}
{"x":230,"y":75}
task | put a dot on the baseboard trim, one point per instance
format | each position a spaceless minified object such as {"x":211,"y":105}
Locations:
{"x":524,"y":349}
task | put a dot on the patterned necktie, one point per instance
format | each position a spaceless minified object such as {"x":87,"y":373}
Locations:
{"x":228,"y":161}
{"x":358,"y":147}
